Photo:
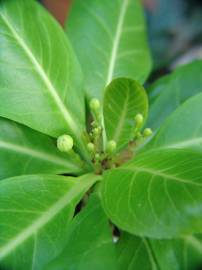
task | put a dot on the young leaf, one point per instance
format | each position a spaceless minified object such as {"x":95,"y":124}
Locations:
{"x":89,"y":241}
{"x":170,"y":91}
{"x":109,"y":38}
{"x":25,"y":151}
{"x":182,"y":129}
{"x":158,"y":194}
{"x":135,"y":253}
{"x":34,"y":216}
{"x":37,"y":71}
{"x":123,"y":100}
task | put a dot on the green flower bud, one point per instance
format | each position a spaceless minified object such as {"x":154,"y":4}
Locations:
{"x":97,"y":131}
{"x":147,"y":132}
{"x":97,"y":157}
{"x":139,"y":120}
{"x":95,"y":104}
{"x":91,"y":147}
{"x":65,"y":143}
{"x":111,"y":147}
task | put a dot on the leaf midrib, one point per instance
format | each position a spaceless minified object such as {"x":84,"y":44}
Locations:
{"x":37,"y":154}
{"x":183,"y":144}
{"x":118,"y":130}
{"x":67,"y":116}
{"x":161,"y":174}
{"x":116,"y":42}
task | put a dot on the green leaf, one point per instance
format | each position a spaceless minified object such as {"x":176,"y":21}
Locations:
{"x":109,"y":38}
{"x":177,"y":254}
{"x":143,"y":253}
{"x":158,"y":194}
{"x":34,"y":216}
{"x":169,"y":92}
{"x":38,"y":71}
{"x":135,"y":253}
{"x":123,"y":100}
{"x":89,"y":241}
{"x":25,"y":151}
{"x":182,"y":129}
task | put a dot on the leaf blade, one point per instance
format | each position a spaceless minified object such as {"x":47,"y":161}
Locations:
{"x":36,"y":71}
{"x":182,"y":129}
{"x":170,"y":91}
{"x":89,"y":241}
{"x":37,"y":217}
{"x":114,"y":34}
{"x":25,"y":151}
{"x":123,"y":100}
{"x":164,"y":184}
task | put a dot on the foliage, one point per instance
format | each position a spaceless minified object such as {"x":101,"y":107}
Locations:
{"x":90,"y":187}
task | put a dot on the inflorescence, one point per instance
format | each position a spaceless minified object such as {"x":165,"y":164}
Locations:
{"x":103,"y":153}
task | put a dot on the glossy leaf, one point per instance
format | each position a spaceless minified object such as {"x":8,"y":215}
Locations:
{"x":25,"y":151}
{"x":158,"y":194}
{"x":34,"y":216}
{"x":182,"y":129}
{"x":109,"y":38}
{"x":135,"y":253}
{"x":89,"y":242}
{"x":171,"y":91}
{"x":149,"y":254}
{"x":123,"y":100}
{"x":40,"y":80}
{"x":177,"y":254}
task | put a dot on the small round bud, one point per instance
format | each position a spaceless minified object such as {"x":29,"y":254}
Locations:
{"x":139,"y":119}
{"x":111,"y":147}
{"x":96,"y":131}
{"x":97,"y":157}
{"x":91,"y":147}
{"x":95,"y":104}
{"x":65,"y":143}
{"x":147,"y":132}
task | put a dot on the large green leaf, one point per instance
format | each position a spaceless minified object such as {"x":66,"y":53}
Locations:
{"x":40,"y":79}
{"x":34,"y":216}
{"x":135,"y":253}
{"x":183,"y":129}
{"x":148,"y":254}
{"x":170,"y":91}
{"x":123,"y":99}
{"x":109,"y":38}
{"x":89,"y":242}
{"x":25,"y":151}
{"x":178,"y":254}
{"x":158,"y":194}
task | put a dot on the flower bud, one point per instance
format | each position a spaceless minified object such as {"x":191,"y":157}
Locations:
{"x":97,"y":131}
{"x":111,"y":147}
{"x":95,"y":104}
{"x":65,"y":143}
{"x":91,"y":147}
{"x":139,"y":120}
{"x":97,"y":157}
{"x":147,"y":132}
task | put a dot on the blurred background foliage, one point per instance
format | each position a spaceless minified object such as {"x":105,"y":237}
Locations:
{"x":174,"y":26}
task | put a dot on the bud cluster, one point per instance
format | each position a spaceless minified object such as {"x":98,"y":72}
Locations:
{"x":94,"y":141}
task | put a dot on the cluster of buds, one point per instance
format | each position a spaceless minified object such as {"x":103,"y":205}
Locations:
{"x":95,"y":144}
{"x":94,"y":139}
{"x":139,"y":121}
